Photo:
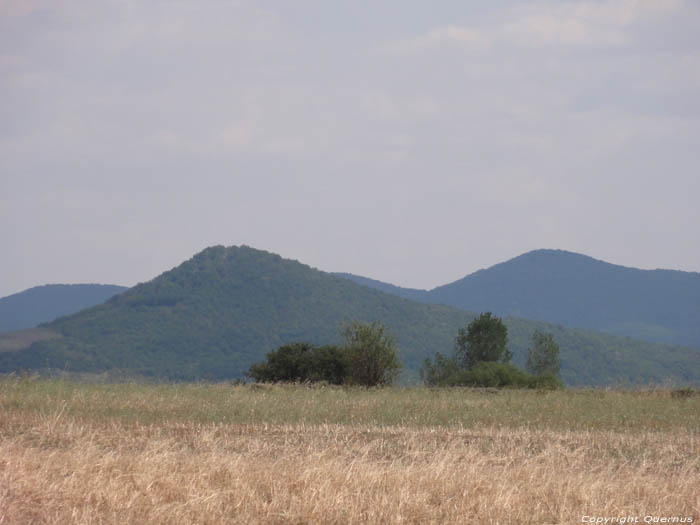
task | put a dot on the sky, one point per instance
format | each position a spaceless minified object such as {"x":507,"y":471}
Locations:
{"x":411,"y":142}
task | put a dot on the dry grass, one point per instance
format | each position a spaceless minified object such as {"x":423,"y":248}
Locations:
{"x":74,"y":453}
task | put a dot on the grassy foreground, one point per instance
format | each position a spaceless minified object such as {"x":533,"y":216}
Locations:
{"x":194,"y":453}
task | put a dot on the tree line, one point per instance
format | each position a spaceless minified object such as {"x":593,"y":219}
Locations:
{"x":369,"y":357}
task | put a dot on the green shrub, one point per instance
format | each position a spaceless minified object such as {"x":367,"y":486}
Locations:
{"x":368,"y":358}
{"x":485,"y":374}
{"x":300,"y":362}
{"x":546,"y":381}
{"x":287,"y":363}
{"x":496,"y":375}
{"x":327,"y":364}
{"x":441,"y":372}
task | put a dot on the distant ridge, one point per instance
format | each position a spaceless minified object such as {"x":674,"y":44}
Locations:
{"x":406,"y":293}
{"x":575,"y":290}
{"x":214,"y":315}
{"x":42,"y":304}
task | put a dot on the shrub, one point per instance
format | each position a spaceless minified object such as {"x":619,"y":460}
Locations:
{"x":485,"y":374}
{"x":328,"y":364}
{"x":299,"y":362}
{"x":441,"y":372}
{"x":496,"y":375}
{"x":287,"y":363}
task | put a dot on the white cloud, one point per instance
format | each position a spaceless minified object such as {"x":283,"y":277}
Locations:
{"x":468,"y":38}
{"x":579,"y":23}
{"x":582,"y":23}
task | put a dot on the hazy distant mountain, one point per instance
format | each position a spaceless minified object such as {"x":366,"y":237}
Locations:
{"x":578,"y":291}
{"x":42,"y":304}
{"x":217,"y":313}
{"x":406,"y":293}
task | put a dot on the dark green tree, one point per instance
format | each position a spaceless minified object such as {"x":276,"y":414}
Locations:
{"x":483,"y":340}
{"x":288,"y":363}
{"x":543,"y":355}
{"x":328,"y":363}
{"x":373,"y":359}
{"x":298,"y":362}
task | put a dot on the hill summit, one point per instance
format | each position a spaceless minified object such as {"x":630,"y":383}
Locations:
{"x":575,"y":290}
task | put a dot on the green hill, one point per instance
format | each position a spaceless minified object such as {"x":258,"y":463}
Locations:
{"x":42,"y":304}
{"x":219,"y":312}
{"x":578,"y":291}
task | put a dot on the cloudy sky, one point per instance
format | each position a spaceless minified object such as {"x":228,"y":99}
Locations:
{"x":412,"y":142}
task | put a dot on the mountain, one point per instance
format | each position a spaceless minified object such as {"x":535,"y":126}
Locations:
{"x":406,"y":293}
{"x":222,"y":310}
{"x":577,"y":291}
{"x":42,"y":304}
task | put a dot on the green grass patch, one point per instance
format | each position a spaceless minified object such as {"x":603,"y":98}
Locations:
{"x":142,"y":403}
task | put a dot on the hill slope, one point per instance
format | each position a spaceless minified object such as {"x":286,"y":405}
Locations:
{"x":217,"y":313}
{"x":578,"y":291}
{"x":42,"y":304}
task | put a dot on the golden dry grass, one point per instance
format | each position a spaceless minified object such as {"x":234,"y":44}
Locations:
{"x":92,"y":454}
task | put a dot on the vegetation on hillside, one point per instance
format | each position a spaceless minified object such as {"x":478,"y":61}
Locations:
{"x":220,"y":312}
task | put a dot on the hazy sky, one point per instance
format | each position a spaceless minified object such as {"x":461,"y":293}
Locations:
{"x":412,"y":142}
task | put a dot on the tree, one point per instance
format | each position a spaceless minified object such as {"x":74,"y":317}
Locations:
{"x":543,"y":355}
{"x":302,"y":362}
{"x":484,"y":339}
{"x":287,"y":363}
{"x":372,"y":355}
{"x":328,"y":363}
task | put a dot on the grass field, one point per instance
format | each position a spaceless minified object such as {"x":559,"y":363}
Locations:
{"x":195,"y":453}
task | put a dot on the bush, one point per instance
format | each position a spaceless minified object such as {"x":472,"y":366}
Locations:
{"x":299,"y":362}
{"x":546,"y":381}
{"x":328,"y":364}
{"x":485,"y":374}
{"x":441,"y":372}
{"x":495,"y":375}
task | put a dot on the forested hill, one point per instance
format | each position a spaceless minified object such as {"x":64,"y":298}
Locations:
{"x":42,"y":304}
{"x":219,"y":312}
{"x":406,"y":293}
{"x":578,"y":291}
